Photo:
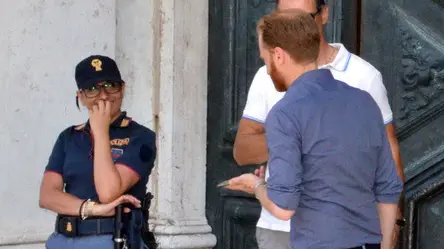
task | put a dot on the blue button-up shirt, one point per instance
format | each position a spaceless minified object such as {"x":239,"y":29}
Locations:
{"x":330,"y":162}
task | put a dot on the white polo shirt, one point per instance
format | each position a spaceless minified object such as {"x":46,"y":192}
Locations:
{"x":346,"y":67}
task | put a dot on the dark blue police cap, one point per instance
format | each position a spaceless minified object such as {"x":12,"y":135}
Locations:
{"x":95,"y":69}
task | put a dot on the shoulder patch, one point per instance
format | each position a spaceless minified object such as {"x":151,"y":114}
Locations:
{"x":116,"y":153}
{"x":146,"y":154}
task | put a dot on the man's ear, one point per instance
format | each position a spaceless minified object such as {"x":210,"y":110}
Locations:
{"x":324,"y":14}
{"x":279,"y":56}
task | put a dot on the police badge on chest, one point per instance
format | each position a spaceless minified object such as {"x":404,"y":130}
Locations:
{"x":116,"y":153}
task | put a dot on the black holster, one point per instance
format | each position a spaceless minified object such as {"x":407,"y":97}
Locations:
{"x":119,"y":237}
{"x":132,"y":229}
{"x":127,"y":229}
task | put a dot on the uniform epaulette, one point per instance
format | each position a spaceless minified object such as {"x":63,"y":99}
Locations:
{"x":80,"y":127}
{"x":125,"y":122}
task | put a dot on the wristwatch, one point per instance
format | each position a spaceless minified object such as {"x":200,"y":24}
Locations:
{"x":260,"y":183}
{"x":401,"y":222}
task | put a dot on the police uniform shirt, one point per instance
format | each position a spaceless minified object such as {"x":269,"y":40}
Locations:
{"x":132,"y":145}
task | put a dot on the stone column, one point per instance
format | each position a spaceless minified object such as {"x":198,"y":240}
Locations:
{"x":180,"y":66}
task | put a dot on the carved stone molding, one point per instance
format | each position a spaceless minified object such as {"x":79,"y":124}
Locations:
{"x":422,"y":77}
{"x":420,"y":94}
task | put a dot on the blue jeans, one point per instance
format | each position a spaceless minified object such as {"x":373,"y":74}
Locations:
{"x":59,"y":241}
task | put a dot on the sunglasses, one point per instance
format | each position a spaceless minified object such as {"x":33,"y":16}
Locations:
{"x":108,"y":87}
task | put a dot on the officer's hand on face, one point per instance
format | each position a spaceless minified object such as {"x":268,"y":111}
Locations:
{"x":109,"y":209}
{"x":245,"y":183}
{"x":100,"y":117}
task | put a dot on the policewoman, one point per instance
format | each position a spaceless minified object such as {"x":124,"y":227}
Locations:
{"x":98,"y":165}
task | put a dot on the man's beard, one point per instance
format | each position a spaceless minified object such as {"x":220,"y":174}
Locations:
{"x":278,"y":80}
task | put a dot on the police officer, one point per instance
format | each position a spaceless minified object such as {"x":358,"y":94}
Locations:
{"x":98,"y":165}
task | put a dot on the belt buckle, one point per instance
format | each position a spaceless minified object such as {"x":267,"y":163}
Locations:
{"x":68,"y":226}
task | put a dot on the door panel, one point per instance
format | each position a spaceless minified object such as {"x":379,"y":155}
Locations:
{"x":431,"y":235}
{"x":406,"y":43}
{"x":233,"y":61}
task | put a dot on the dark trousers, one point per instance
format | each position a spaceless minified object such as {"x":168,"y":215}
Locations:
{"x":368,"y":246}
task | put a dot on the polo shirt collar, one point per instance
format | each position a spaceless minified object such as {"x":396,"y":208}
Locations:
{"x":122,"y":121}
{"x":342,"y":59}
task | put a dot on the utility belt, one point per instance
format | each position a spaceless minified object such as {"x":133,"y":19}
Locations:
{"x":74,"y":226}
{"x":128,"y":229}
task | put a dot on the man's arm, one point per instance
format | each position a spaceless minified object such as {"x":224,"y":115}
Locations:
{"x":379,"y":93}
{"x":388,"y":188}
{"x":254,"y":184}
{"x":281,"y":197}
{"x":394,"y":147}
{"x":250,"y":146}
{"x":285,"y":164}
{"x":275,"y":210}
{"x":387,"y":213}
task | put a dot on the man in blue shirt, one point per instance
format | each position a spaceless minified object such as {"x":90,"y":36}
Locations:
{"x":331,"y":169}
